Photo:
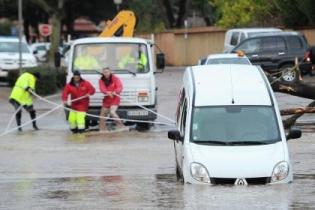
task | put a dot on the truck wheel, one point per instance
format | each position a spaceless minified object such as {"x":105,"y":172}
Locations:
{"x":143,"y":126}
{"x":287,"y":74}
{"x":91,"y":122}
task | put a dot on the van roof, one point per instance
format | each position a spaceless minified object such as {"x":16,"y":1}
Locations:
{"x":255,"y":29}
{"x":110,"y":39}
{"x":278,"y":33}
{"x":221,"y":84}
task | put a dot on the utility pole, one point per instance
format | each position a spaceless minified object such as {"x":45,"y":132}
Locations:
{"x":20,"y":26}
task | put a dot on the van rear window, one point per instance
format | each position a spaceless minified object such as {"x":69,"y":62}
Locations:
{"x":234,"y":38}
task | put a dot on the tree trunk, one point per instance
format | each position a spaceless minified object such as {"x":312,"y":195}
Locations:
{"x":182,"y":13}
{"x":169,"y":13}
{"x":299,"y":88}
{"x":56,"y":29}
{"x":291,"y":121}
{"x":300,"y":110}
{"x":55,"y":37}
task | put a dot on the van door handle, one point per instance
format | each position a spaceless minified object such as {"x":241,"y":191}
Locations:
{"x":254,"y":56}
{"x":281,"y":53}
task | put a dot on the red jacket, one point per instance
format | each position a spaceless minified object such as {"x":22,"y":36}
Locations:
{"x":114,"y":86}
{"x":76,"y":92}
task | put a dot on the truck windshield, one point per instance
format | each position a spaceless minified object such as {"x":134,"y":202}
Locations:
{"x":120,"y":58}
{"x":235,"y":125}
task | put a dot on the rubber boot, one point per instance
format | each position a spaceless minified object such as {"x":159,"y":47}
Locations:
{"x":18,"y":117}
{"x":33,"y":116}
{"x":74,"y":130}
{"x":81,"y":130}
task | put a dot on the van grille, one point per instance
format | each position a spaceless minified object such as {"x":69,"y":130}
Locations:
{"x":129,"y":97}
{"x":250,"y":181}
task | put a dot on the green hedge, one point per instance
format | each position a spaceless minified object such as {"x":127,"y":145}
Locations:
{"x":52,"y":79}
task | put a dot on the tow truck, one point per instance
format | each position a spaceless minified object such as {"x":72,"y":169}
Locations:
{"x":139,"y":86}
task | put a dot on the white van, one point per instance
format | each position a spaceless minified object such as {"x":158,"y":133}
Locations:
{"x":229,"y":128}
{"x":234,"y":36}
{"x":9,"y":55}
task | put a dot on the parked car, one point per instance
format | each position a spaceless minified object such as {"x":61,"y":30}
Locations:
{"x":225,"y":58}
{"x":234,"y":36}
{"x":275,"y":52}
{"x":9,"y":55}
{"x":40,"y":50}
{"x":230,"y":132}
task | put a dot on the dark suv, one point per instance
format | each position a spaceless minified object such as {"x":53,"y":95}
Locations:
{"x":275,"y":52}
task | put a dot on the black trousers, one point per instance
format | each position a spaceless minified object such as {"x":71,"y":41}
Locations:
{"x":18,"y":115}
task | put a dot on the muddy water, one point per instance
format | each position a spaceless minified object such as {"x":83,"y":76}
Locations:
{"x":53,"y":169}
{"x":133,"y":171}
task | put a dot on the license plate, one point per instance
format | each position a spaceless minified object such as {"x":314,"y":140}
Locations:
{"x":138,"y":113}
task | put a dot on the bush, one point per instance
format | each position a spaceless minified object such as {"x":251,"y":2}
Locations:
{"x":51,"y":79}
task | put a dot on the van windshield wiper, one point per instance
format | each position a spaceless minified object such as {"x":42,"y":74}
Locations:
{"x":127,"y":70}
{"x":249,"y":142}
{"x":211,"y":142}
{"x":88,"y":71}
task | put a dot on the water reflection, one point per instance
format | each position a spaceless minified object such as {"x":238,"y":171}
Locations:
{"x":160,"y":191}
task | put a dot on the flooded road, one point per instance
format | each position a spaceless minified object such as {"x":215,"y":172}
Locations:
{"x":53,"y":169}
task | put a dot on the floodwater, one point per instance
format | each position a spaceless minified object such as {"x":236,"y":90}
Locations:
{"x":54,"y":169}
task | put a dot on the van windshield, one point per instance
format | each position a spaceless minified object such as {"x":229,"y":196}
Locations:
{"x":120,"y":58}
{"x":12,"y":47}
{"x":235,"y":125}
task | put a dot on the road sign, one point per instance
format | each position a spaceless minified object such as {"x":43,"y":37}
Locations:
{"x":44,"y":29}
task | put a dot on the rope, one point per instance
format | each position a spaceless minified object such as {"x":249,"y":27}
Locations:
{"x":41,"y":116}
{"x":102,"y":117}
{"x":28,"y":122}
{"x":13,"y":116}
{"x":145,"y":108}
{"x":281,"y":74}
{"x":57,"y":106}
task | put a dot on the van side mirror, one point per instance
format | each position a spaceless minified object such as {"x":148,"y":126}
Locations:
{"x":160,"y":60}
{"x":35,"y":52}
{"x":174,"y":135}
{"x":294,"y":133}
{"x":57,"y":59}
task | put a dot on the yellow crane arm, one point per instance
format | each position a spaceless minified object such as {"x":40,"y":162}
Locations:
{"x":122,"y":25}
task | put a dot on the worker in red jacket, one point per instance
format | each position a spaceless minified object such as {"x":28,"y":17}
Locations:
{"x":111,"y":86}
{"x":77,"y":88}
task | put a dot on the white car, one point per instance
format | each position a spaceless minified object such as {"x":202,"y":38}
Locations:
{"x":40,"y":50}
{"x":229,"y":128}
{"x":9,"y":55}
{"x":225,"y":58}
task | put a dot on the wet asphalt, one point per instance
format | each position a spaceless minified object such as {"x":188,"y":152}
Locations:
{"x":54,"y":169}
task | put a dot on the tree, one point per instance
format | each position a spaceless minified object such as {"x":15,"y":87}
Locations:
{"x":295,"y":13}
{"x":175,"y":12}
{"x":55,"y":10}
{"x":240,"y":13}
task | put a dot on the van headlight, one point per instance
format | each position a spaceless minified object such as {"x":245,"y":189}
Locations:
{"x":280,"y":171}
{"x":199,"y":172}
